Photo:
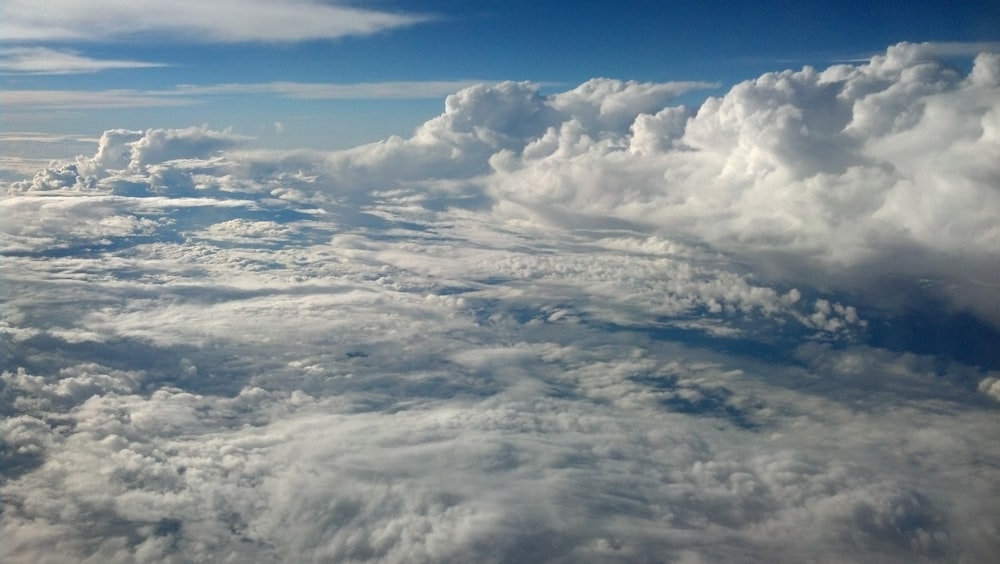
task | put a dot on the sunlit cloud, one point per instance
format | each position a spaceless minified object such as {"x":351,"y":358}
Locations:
{"x":193,"y":21}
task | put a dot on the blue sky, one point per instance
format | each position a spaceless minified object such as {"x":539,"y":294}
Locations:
{"x":148,"y":50}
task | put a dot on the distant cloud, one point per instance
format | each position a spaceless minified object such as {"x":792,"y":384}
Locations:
{"x":41,"y":60}
{"x":38,"y":137}
{"x":160,"y":145}
{"x":193,"y":20}
{"x":935,"y":49}
{"x":332,"y":91}
{"x":33,"y":100}
{"x":955,"y":48}
{"x":41,"y":100}
{"x":22,"y":154}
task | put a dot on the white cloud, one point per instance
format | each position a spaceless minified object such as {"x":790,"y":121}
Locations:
{"x":45,"y":100}
{"x":201,"y":22}
{"x":836,"y":171}
{"x":158,"y":145}
{"x":547,"y":328}
{"x":38,"y":137}
{"x":185,"y":474}
{"x":938,"y":49}
{"x":41,"y":100}
{"x":612,"y":105}
{"x":25,"y":153}
{"x":332,"y":91}
{"x":42,"y":60}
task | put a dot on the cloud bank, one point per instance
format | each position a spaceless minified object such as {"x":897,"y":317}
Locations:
{"x":845,"y":177}
{"x":581,"y":327}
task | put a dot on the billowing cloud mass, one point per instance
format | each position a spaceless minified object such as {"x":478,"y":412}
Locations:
{"x":580,"y":327}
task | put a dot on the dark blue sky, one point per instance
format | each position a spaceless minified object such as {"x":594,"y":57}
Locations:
{"x":713,"y":39}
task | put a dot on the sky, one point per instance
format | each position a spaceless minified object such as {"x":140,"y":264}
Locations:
{"x":356,"y":73}
{"x":453,"y":282}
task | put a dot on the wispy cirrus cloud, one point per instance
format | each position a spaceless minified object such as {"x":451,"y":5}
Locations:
{"x":193,"y":94}
{"x":30,"y":100}
{"x":43,"y":60}
{"x":225,"y":21}
{"x":332,"y":90}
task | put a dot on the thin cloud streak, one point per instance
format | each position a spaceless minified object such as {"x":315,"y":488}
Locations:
{"x":226,"y":21}
{"x":42,"y":60}
{"x":34,"y":100}
{"x":334,"y":91}
{"x":191,"y":94}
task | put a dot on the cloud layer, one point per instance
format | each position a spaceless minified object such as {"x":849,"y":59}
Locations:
{"x":586,"y":326}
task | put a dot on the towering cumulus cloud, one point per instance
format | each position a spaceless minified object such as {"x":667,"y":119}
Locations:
{"x":581,"y":327}
{"x":857,"y":172}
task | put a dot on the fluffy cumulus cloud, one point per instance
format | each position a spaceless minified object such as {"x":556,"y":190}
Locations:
{"x":581,"y":327}
{"x":854,"y":171}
